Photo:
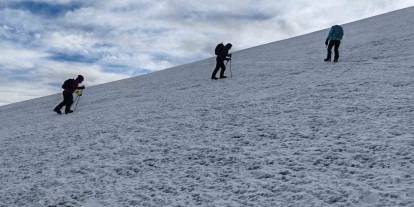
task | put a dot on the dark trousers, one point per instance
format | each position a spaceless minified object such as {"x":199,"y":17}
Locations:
{"x":67,"y":101}
{"x":333,"y":44}
{"x":219,"y":64}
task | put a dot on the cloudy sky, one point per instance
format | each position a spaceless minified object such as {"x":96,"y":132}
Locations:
{"x":44,"y":42}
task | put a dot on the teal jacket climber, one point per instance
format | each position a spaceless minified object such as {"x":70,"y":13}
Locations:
{"x":336,"y":33}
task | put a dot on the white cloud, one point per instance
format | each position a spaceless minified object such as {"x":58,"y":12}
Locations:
{"x":20,"y":91}
{"x":14,"y":58}
{"x":69,"y":42}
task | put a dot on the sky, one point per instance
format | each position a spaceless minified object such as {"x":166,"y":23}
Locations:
{"x":45,"y":42}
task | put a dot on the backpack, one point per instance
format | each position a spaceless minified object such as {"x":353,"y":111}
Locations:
{"x":219,"y":48}
{"x":340,"y":32}
{"x":67,"y":84}
{"x":337,"y":33}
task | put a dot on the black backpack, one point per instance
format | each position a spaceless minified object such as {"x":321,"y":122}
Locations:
{"x":219,"y":48}
{"x":67,"y":84}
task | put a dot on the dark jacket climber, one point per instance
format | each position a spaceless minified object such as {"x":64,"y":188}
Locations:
{"x":69,"y":87}
{"x":222,"y":53}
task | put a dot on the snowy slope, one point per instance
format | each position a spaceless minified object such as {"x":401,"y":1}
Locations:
{"x":286,"y":130}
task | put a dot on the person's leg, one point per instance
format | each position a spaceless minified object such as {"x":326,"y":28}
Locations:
{"x":216,"y":69}
{"x":337,"y":43}
{"x":68,"y":99}
{"x":329,"y":51}
{"x":223,"y":68}
{"x":60,"y":105}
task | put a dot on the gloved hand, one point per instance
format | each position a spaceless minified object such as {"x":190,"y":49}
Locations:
{"x":78,"y":92}
{"x":81,"y":87}
{"x":327,"y":42}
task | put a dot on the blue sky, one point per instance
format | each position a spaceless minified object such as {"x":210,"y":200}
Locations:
{"x":44,"y":42}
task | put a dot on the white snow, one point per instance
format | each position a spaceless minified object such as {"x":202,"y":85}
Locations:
{"x":286,"y":130}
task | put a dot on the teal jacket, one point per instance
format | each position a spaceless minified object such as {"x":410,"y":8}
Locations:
{"x":336,"y":33}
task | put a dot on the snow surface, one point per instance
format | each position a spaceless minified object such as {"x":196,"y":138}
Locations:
{"x":286,"y":130}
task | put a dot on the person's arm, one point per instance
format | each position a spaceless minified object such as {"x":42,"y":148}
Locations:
{"x":227,"y":55}
{"x":79,"y":87}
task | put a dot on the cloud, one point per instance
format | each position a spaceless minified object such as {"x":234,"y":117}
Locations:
{"x":46,"y":41}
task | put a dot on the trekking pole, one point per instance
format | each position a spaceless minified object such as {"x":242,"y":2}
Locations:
{"x":231,"y":74}
{"x":76,"y":103}
{"x":78,"y":95}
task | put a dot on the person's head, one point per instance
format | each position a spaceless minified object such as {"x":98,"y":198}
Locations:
{"x":79,"y":79}
{"x":228,"y":46}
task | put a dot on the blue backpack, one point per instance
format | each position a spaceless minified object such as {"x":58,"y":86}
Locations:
{"x":336,"y":33}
